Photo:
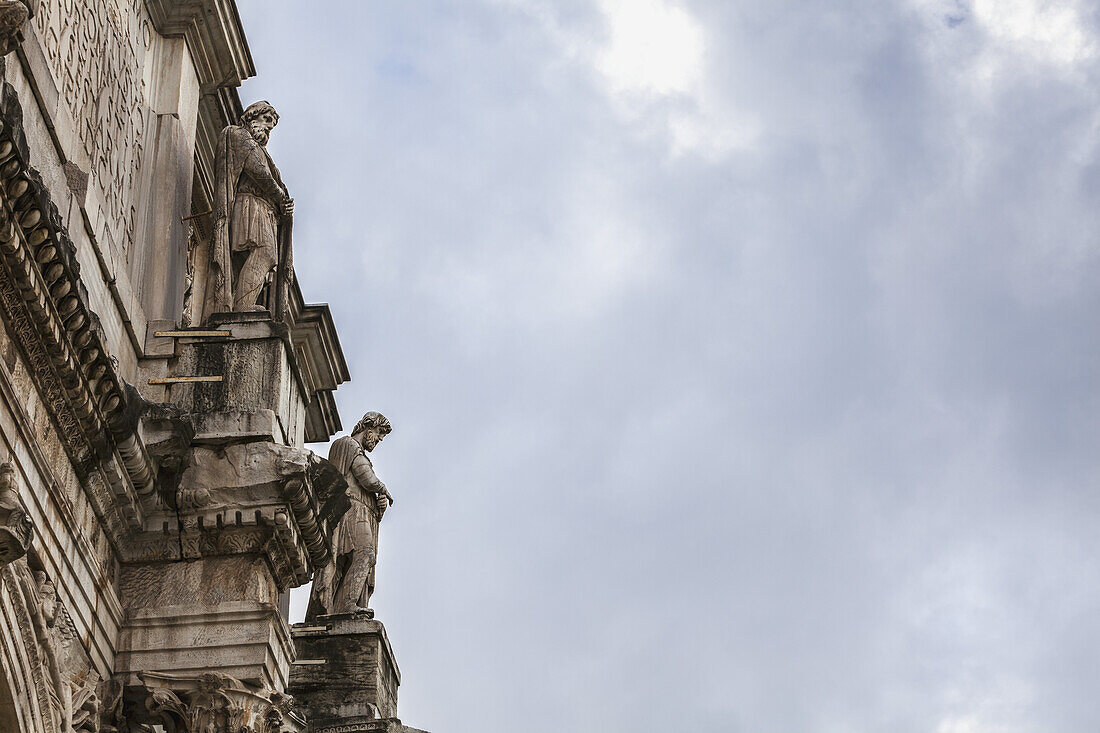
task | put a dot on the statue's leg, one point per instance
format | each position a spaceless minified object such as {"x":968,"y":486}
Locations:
{"x":353,"y":588}
{"x":252,"y":278}
{"x":368,"y":584}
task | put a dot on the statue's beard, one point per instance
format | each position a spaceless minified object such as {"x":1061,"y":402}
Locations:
{"x":259,"y":133}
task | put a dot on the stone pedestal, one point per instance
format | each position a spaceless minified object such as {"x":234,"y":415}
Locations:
{"x":241,"y":508}
{"x":345,"y":675}
{"x":240,"y":363}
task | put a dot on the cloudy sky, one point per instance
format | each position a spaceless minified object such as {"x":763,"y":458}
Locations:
{"x":743,"y":355}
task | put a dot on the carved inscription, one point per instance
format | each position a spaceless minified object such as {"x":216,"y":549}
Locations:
{"x":96,"y":50}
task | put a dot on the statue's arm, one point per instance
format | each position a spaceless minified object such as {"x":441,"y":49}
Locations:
{"x":368,"y":479}
{"x":256,"y":168}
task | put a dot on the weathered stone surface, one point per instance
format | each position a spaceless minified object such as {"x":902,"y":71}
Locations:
{"x":251,"y":370}
{"x":392,"y":725}
{"x":15,"y":527}
{"x":243,"y":639}
{"x":209,"y":703}
{"x":345,"y":671}
{"x":65,"y":693}
{"x":13,"y":16}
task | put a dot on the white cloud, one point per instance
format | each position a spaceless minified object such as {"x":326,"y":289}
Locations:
{"x":654,"y":46}
{"x":1049,"y":30}
{"x":656,"y":51}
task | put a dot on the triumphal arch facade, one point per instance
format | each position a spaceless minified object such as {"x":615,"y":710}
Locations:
{"x":160,"y":375}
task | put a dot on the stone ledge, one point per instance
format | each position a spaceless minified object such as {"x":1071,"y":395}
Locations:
{"x":389,"y":725}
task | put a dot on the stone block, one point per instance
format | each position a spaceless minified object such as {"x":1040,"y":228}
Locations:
{"x":345,"y":674}
{"x":250,"y":370}
{"x":245,"y":640}
{"x":159,"y":346}
{"x":222,"y":427}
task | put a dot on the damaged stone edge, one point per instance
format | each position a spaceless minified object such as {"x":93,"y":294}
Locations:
{"x":292,"y":540}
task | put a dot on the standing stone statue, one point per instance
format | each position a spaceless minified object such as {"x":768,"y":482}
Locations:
{"x":345,"y":585}
{"x":250,"y":205}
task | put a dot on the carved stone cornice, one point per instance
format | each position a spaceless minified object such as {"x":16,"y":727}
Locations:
{"x":214,"y":37}
{"x":274,"y":511}
{"x":267,"y":530}
{"x":321,"y":362}
{"x":46,"y":306}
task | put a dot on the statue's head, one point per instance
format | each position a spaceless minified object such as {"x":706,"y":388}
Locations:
{"x":371,"y":429}
{"x":9,"y":489}
{"x":47,"y":597}
{"x":260,"y":119}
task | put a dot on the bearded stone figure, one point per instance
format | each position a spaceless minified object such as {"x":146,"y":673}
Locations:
{"x":345,"y":585}
{"x":251,"y":204}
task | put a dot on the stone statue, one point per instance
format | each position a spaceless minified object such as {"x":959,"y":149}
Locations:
{"x":250,"y":204}
{"x":15,"y":527}
{"x":345,"y":585}
{"x":13,"y":16}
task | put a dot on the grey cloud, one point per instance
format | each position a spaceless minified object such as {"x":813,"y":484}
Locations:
{"x":798,"y":437}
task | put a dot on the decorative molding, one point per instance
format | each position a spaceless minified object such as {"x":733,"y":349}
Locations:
{"x":214,"y":37}
{"x":45,"y":303}
{"x":213,"y":702}
{"x":287,"y":533}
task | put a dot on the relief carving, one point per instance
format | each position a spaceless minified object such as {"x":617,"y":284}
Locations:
{"x":96,"y":52}
{"x":212,"y":703}
{"x":15,"y":527}
{"x":252,"y":213}
{"x":66,"y":678}
{"x":346,"y":583}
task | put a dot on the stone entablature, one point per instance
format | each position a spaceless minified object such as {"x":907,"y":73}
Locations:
{"x":45,"y":303}
{"x":321,"y":364}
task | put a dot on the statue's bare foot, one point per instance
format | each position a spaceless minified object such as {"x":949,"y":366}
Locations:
{"x":360,"y":611}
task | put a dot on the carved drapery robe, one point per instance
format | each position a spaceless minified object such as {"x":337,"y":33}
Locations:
{"x":248,"y":194}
